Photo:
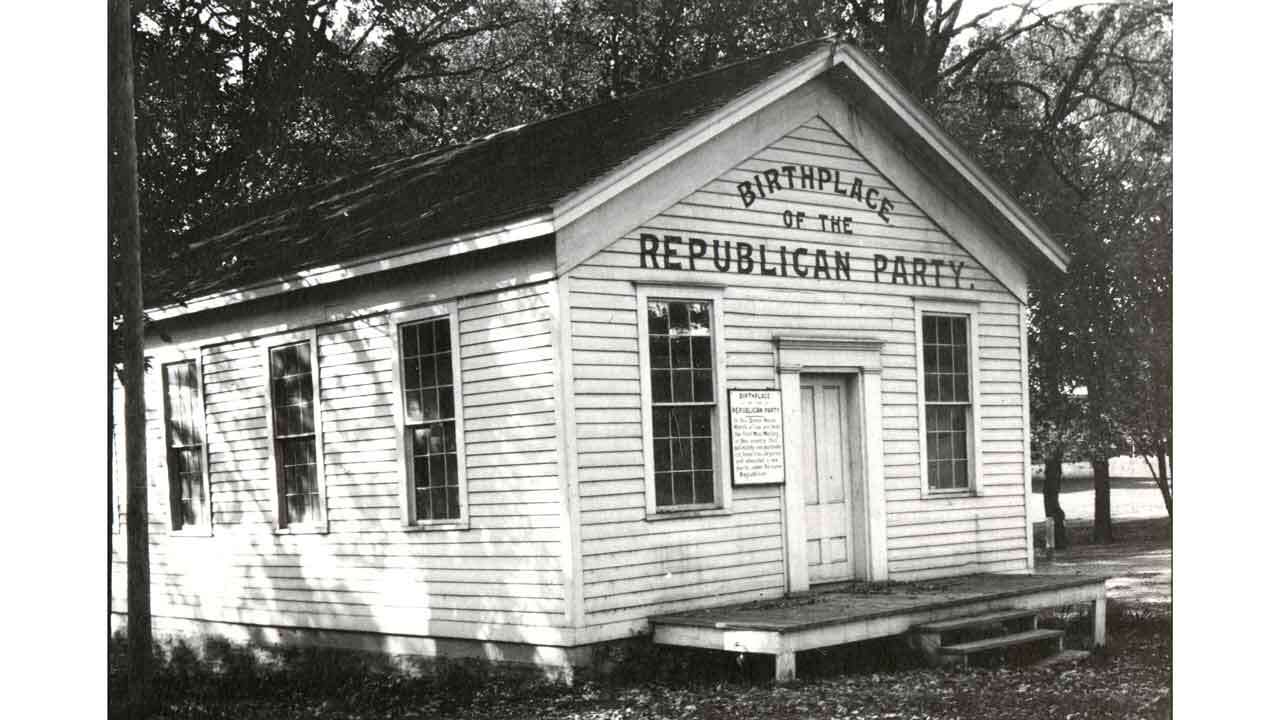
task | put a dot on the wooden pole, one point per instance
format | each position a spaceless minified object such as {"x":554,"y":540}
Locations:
{"x":124,"y":227}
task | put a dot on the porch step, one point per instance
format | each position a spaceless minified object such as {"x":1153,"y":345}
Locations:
{"x":999,"y":616}
{"x":1018,"y":638}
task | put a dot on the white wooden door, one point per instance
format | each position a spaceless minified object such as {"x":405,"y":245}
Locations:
{"x":826,"y":477}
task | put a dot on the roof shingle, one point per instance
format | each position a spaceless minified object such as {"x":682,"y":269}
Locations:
{"x":506,"y":176}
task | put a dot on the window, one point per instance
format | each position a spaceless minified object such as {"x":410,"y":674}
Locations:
{"x":947,"y":400}
{"x":430,"y":400}
{"x":295,"y":445}
{"x":682,"y":366}
{"x":184,"y":446}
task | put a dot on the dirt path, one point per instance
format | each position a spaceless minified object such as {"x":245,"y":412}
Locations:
{"x":1139,"y":563}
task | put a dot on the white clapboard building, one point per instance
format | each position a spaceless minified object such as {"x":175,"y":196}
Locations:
{"x":721,"y":340}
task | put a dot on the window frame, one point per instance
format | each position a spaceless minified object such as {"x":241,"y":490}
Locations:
{"x":408,"y":506}
{"x":714,"y":295}
{"x":969,"y":311}
{"x":204,"y":526}
{"x":279,"y":519}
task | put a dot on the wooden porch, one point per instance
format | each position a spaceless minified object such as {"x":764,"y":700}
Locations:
{"x":853,"y":612}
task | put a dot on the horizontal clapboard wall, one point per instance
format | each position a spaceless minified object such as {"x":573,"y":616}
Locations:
{"x":633,"y":568}
{"x":498,"y":579}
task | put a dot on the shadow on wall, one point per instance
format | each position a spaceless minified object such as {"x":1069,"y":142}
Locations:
{"x":367,"y":574}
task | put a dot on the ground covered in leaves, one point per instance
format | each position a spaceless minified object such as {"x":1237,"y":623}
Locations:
{"x":1131,"y":679}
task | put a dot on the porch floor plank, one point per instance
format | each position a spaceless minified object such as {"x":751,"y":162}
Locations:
{"x":834,"y":606}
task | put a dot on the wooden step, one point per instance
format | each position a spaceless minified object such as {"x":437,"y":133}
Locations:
{"x":976,"y":646}
{"x":942,"y":626}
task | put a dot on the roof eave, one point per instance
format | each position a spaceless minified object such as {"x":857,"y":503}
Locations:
{"x":529,"y":227}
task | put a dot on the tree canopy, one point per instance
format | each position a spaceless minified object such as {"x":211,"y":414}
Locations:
{"x":238,"y":100}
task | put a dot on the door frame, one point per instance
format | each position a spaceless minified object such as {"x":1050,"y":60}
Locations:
{"x":859,"y":359}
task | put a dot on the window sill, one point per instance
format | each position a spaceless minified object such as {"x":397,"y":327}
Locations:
{"x":690,"y":513}
{"x":944,"y":494}
{"x":438,"y":526}
{"x":303,"y":530}
{"x":200,"y":532}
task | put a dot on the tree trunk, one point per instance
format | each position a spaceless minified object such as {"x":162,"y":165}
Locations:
{"x":1052,"y":508}
{"x":1101,"y":501}
{"x":1163,"y":479}
{"x":123,"y":219}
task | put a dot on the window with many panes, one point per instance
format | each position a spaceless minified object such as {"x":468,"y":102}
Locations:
{"x":293,"y":422}
{"x":184,"y":439}
{"x":948,"y":406}
{"x":683,"y":402}
{"x":430,"y":420}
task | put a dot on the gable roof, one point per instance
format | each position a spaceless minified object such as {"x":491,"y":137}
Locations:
{"x":529,"y":173}
{"x":510,"y":175}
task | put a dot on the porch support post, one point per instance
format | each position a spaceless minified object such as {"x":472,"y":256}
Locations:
{"x":1100,"y":617}
{"x":784,"y":666}
{"x":792,"y":491}
{"x":877,"y":517}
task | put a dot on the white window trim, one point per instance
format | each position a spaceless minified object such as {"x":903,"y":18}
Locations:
{"x":205,"y":528}
{"x":968,"y":310}
{"x":265,"y":344}
{"x":407,"y":505}
{"x":723,"y":492}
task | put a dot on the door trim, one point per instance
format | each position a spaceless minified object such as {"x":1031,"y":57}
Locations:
{"x":858,"y":358}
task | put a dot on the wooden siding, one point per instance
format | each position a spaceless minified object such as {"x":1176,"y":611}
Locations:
{"x":500,"y":578}
{"x":633,"y":567}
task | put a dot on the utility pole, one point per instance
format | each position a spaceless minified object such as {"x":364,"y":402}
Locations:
{"x":124,"y":229}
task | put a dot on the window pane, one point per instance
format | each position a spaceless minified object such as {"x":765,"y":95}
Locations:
{"x":443,"y":341}
{"x":445,"y":396}
{"x":661,"y":454}
{"x":662,"y":489}
{"x":704,"y":487}
{"x":682,"y":483}
{"x":701,"y":352}
{"x":700,"y":318}
{"x":438,"y":475}
{"x":679,"y":318}
{"x":660,"y":384}
{"x":681,"y":352}
{"x":946,"y":474}
{"x":450,"y":436}
{"x":412,"y":372}
{"x":701,"y":419}
{"x":682,"y":386}
{"x":444,"y":369}
{"x":413,"y":405}
{"x":702,"y":454}
{"x":430,"y":404}
{"x":659,"y":351}
{"x":452,"y":507}
{"x":658,"y":318}
{"x":408,"y":340}
{"x":703,"y":388}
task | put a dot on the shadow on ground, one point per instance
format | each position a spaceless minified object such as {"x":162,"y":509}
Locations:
{"x":1139,"y":564}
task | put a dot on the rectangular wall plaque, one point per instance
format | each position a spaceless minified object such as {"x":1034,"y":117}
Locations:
{"x":755,"y":436}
